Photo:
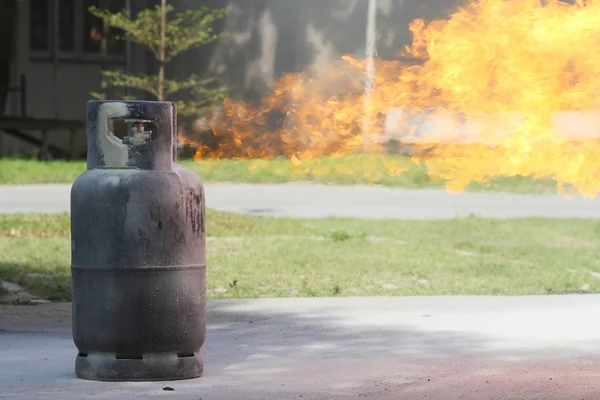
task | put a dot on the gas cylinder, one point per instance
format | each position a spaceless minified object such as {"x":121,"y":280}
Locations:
{"x":137,"y":249}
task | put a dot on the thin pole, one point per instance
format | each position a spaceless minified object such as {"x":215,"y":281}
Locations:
{"x":128,"y":55}
{"x":104,"y":56}
{"x":55,"y":58}
{"x":161,"y":49}
{"x":370,"y":54}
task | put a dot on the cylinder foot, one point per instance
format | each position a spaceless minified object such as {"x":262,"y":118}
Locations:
{"x":150,"y":367}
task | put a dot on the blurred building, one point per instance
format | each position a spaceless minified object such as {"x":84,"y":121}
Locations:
{"x":51,"y":54}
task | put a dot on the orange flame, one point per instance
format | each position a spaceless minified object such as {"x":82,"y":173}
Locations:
{"x":501,"y":88}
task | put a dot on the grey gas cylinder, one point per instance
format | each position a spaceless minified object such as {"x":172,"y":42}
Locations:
{"x":138,"y":249}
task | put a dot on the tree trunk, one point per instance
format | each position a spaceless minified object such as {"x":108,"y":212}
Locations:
{"x":161,"y":50}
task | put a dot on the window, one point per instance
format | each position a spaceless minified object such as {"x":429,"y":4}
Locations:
{"x":39,"y":23}
{"x":66,"y":25}
{"x":92,"y":29}
{"x":77,"y":32}
{"x":95,"y":32}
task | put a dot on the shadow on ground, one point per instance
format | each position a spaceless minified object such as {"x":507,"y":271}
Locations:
{"x":311,"y":349}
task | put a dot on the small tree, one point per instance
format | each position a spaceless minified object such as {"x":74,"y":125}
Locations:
{"x":166,"y":39}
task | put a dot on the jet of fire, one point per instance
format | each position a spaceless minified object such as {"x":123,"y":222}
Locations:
{"x":492,"y":78}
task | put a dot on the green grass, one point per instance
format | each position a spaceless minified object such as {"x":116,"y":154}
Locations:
{"x":380,"y":169}
{"x":269,"y":257}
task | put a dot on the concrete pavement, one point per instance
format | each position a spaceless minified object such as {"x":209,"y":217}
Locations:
{"x":318,"y":201}
{"x":341,"y":348}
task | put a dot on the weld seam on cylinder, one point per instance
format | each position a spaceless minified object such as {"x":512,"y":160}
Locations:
{"x":141,"y":267}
